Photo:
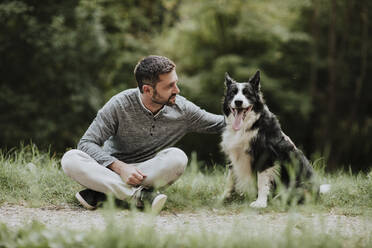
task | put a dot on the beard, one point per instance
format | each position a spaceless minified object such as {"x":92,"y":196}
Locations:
{"x":163,"y":102}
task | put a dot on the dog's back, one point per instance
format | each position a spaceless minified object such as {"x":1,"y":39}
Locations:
{"x":272,"y":146}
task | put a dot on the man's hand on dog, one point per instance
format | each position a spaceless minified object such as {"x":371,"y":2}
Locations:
{"x":129,"y":173}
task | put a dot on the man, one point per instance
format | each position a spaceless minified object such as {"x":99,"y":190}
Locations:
{"x":137,"y":128}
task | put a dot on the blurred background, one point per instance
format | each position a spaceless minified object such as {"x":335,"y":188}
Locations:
{"x":60,"y":61}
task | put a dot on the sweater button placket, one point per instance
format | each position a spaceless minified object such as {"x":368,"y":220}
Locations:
{"x":152,"y":127}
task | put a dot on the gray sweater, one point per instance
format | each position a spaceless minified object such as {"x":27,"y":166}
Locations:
{"x":131,"y":133}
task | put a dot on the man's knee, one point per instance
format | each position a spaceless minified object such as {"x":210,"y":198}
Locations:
{"x":70,"y":160}
{"x":179,"y":159}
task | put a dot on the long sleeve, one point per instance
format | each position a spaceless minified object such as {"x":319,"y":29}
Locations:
{"x":202,"y":121}
{"x":102,"y":128}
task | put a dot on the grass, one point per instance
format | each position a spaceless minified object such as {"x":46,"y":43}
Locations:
{"x":33,"y":178}
{"x":37,"y":235}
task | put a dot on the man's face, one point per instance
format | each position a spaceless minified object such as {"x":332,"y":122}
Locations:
{"x":166,"y":89}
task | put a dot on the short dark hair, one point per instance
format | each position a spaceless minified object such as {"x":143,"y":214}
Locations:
{"x":148,"y":69}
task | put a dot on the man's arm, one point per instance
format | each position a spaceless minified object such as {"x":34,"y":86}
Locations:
{"x":103,"y":127}
{"x":202,"y":121}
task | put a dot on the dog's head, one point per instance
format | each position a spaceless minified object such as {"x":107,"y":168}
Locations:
{"x":242,"y":98}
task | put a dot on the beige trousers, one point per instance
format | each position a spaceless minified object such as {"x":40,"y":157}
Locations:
{"x":165,"y":168}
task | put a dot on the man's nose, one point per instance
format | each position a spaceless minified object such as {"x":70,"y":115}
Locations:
{"x":176,"y":89}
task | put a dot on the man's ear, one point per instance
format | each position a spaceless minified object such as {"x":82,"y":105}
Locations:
{"x":255,"y":81}
{"x":228,"y":80}
{"x":146,"y":89}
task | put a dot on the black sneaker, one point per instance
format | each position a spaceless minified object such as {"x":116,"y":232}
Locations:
{"x":90,"y":199}
{"x":143,"y":196}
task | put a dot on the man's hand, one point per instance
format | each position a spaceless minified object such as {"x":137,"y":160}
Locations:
{"x":129,"y":173}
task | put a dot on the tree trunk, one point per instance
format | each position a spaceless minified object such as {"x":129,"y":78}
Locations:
{"x":363,"y":65}
{"x":331,"y":101}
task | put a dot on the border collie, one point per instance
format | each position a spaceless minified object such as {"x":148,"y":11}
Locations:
{"x":255,"y":144}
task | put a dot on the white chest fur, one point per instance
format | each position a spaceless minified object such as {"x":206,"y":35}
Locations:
{"x":236,"y":144}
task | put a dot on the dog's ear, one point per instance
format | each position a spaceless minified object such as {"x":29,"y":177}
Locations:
{"x":228,"y":80}
{"x":255,"y":81}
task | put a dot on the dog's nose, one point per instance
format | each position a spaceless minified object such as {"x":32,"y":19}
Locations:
{"x":238,"y":103}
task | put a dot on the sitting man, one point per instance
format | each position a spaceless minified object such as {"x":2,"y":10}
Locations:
{"x":127,"y":149}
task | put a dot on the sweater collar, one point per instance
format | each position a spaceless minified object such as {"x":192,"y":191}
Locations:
{"x":162,"y":110}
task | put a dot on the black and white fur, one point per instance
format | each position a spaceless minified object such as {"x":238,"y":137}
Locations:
{"x":255,"y":143}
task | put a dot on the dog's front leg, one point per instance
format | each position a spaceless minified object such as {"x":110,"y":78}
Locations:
{"x":264,"y":179}
{"x":230,"y":185}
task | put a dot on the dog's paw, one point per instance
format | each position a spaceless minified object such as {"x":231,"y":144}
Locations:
{"x":324,"y":188}
{"x":258,"y":204}
{"x":226,"y":197}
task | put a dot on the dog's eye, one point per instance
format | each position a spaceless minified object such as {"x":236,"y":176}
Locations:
{"x":235,"y":91}
{"x":245,"y":91}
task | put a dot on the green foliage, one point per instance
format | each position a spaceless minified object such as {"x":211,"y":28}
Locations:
{"x":61,"y":62}
{"x":332,"y":66}
{"x":35,"y":178}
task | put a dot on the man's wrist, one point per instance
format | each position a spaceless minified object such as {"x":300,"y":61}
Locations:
{"x":116,"y":166}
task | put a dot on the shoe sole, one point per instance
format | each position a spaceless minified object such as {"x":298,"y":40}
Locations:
{"x":158,"y":203}
{"x":83,"y":202}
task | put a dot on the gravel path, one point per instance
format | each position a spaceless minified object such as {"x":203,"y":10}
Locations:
{"x":213,"y":221}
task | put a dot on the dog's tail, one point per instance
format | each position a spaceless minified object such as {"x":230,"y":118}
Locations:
{"x":324,"y":188}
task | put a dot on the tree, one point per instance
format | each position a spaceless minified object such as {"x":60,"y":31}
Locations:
{"x":60,"y":61}
{"x":238,"y":37}
{"x":337,"y":56}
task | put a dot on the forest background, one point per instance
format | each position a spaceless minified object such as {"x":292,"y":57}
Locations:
{"x":60,"y":61}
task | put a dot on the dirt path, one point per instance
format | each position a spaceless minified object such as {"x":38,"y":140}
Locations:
{"x":212,"y":221}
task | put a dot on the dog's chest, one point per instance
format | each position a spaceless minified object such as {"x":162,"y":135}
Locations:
{"x":237,"y":145}
{"x":239,"y":142}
